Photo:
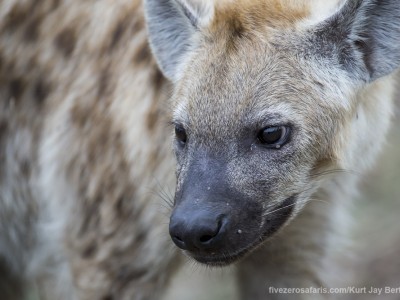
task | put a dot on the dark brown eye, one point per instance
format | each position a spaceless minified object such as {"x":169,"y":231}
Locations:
{"x":180,"y":134}
{"x":274,"y":136}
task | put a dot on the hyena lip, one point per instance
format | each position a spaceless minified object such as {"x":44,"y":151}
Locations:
{"x":221,"y":261}
{"x":273,"y":225}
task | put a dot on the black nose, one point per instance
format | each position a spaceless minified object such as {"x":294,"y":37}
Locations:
{"x":200,"y":230}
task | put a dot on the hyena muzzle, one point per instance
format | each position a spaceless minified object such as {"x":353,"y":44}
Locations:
{"x":274,"y":105}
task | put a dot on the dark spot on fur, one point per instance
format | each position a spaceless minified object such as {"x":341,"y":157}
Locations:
{"x":32,"y":29}
{"x":153,"y":115}
{"x":65,"y":41}
{"x":78,"y":116}
{"x":158,"y":79}
{"x":237,"y":28}
{"x":140,"y":237}
{"x":137,"y":26}
{"x":120,"y":205}
{"x":32,"y":63}
{"x":108,"y":297}
{"x":89,"y":251}
{"x":3,"y":129}
{"x":56,"y":4}
{"x":92,"y":218}
{"x":3,"y":133}
{"x":143,"y":55}
{"x":152,"y":118}
{"x":16,"y":17}
{"x":40,"y":91}
{"x":25,"y":168}
{"x":236,"y":31}
{"x":16,"y":88}
{"x":117,"y":34}
{"x":126,"y":276}
{"x":1,"y":62}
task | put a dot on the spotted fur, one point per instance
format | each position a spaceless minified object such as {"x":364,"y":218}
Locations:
{"x":84,"y":150}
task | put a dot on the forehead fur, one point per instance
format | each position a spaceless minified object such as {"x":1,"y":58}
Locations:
{"x":243,"y":78}
{"x":242,"y":15}
{"x":234,"y":71}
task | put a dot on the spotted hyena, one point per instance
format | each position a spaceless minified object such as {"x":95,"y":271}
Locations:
{"x":271,"y":102}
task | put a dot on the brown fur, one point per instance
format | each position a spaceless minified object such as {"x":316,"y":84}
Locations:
{"x":239,"y":17}
{"x":63,"y":89}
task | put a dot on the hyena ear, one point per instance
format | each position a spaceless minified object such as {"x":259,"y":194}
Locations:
{"x":367,"y":35}
{"x":172,"y":25}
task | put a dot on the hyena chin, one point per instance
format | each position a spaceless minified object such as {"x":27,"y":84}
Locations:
{"x":269,"y":99}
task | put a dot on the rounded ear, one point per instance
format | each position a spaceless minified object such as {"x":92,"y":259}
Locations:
{"x":366,"y":37}
{"x":171,"y":26}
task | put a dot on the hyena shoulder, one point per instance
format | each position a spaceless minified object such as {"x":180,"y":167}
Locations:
{"x":83,"y":148}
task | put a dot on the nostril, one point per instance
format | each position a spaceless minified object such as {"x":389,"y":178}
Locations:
{"x":206,"y":238}
{"x":177,"y":234}
{"x":177,"y":238}
{"x":179,"y":241}
{"x":211,"y":234}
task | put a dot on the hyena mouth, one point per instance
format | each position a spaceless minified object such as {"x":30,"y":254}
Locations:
{"x":223,"y":260}
{"x":274,"y":219}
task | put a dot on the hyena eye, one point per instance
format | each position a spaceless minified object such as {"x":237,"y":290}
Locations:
{"x":274,"y":136}
{"x":180,"y":134}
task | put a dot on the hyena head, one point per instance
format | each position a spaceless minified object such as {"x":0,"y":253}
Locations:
{"x":264,"y":92}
